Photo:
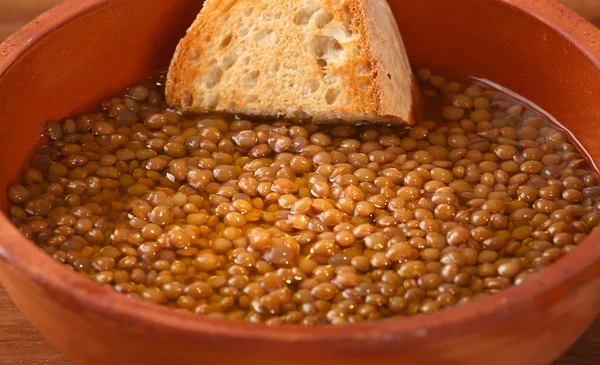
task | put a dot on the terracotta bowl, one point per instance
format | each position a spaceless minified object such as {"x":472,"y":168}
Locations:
{"x":72,"y":57}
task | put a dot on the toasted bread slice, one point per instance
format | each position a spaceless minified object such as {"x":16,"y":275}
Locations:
{"x":325,"y":60}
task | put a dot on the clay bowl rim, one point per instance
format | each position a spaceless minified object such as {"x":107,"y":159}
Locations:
{"x":73,"y":290}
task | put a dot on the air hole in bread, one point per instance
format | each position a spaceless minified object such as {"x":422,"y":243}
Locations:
{"x":349,"y":14}
{"x":322,"y":63}
{"x":330,"y":78}
{"x":322,"y":18}
{"x":298,"y":115}
{"x":228,"y":60}
{"x":275,"y":66}
{"x":303,"y":16}
{"x":212,"y":100}
{"x":325,"y":47}
{"x":249,"y":10}
{"x":264,"y":35}
{"x":331,"y":96}
{"x":313,"y":85}
{"x":364,"y":69}
{"x":212,"y":77}
{"x":188,"y":100}
{"x":250,"y":98}
{"x":346,"y":10}
{"x":389,"y":76}
{"x":251,"y":79}
{"x":346,"y":31}
{"x":194,"y":55}
{"x":226,"y":41}
{"x":242,"y":30}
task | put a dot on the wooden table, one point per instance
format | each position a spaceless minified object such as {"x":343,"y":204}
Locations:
{"x":21,"y":344}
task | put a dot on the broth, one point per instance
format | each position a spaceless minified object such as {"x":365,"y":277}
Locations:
{"x":279,"y":223}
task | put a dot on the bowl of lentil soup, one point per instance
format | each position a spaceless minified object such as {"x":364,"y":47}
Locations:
{"x":364,"y":244}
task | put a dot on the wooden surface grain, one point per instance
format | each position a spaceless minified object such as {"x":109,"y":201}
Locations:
{"x":21,"y":344}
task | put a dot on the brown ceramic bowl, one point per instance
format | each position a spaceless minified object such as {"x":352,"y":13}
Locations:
{"x":69,"y":59}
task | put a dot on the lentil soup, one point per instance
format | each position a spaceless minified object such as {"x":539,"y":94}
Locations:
{"x":280,"y":223}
